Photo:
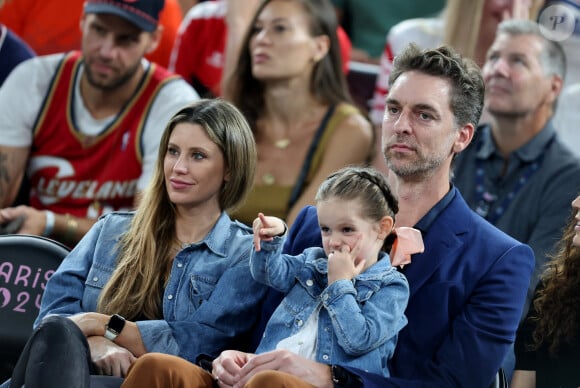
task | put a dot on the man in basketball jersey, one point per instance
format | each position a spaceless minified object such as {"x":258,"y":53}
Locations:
{"x":83,"y":127}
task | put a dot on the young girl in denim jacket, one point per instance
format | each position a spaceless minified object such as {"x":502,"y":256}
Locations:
{"x":344,"y":302}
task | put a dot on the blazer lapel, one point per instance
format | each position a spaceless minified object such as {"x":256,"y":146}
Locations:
{"x":442,"y":242}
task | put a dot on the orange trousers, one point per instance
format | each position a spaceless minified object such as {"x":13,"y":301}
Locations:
{"x":157,"y":370}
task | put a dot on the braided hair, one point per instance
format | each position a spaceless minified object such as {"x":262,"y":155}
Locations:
{"x":369,"y":187}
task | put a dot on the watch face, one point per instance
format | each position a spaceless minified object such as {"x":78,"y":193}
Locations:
{"x":116,"y":323}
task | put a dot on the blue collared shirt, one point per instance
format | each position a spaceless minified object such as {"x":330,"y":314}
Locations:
{"x":535,"y":213}
{"x":209,"y":302}
{"x":359,"y":320}
{"x":427,"y":220}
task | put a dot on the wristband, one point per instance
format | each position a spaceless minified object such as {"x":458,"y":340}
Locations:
{"x":49,"y":224}
{"x":114,"y":327}
{"x":344,"y":378}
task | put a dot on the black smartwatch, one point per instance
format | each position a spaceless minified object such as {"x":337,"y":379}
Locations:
{"x":114,"y":327}
{"x":343,"y":378}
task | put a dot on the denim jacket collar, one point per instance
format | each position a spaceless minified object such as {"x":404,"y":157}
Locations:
{"x":218,"y":237}
{"x":377,"y":270}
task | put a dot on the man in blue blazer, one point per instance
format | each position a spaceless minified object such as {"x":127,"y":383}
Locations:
{"x":468,"y":287}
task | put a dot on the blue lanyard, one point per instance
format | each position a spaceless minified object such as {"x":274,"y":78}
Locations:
{"x":486,"y":199}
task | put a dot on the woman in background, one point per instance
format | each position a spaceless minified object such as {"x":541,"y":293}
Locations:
{"x":290,"y":86}
{"x":548,"y":340}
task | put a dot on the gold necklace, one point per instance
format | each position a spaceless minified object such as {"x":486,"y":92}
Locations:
{"x":282,"y":143}
{"x":268,"y":179}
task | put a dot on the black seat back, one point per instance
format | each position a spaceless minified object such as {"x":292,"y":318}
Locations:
{"x":26,"y":263}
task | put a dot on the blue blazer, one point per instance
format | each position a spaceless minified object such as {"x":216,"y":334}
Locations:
{"x":467,"y":291}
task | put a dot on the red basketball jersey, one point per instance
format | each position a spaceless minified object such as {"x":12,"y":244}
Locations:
{"x":88,"y":176}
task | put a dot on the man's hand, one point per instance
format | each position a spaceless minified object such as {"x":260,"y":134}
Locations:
{"x":226,"y":368}
{"x":12,"y":168}
{"x":34,"y":220}
{"x":310,"y":371}
{"x":110,"y":359}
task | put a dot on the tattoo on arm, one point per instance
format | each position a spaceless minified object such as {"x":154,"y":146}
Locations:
{"x":4,"y":175}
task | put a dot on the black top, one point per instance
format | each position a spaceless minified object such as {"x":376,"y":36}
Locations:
{"x":563,"y":370}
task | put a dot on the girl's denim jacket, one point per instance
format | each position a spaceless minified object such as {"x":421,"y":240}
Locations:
{"x":359,"y":320}
{"x":209,"y":302}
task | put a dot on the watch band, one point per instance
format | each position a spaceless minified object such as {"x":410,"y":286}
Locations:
{"x":344,"y":378}
{"x":114,"y":327}
{"x":338,"y":377}
{"x":110,"y":335}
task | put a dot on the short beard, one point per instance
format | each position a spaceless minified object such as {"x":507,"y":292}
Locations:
{"x":417,"y":170}
{"x":117,"y":83}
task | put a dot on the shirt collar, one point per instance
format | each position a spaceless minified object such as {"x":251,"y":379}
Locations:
{"x":377,"y":270}
{"x":528,"y":152}
{"x":427,"y":220}
{"x":218,"y":237}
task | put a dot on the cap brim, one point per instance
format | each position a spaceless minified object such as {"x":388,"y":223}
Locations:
{"x":140,"y":22}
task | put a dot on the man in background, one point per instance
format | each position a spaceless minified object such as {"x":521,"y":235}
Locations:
{"x":88,"y":132}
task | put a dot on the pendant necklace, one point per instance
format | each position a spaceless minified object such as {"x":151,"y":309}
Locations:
{"x":268,"y":178}
{"x":282,"y":143}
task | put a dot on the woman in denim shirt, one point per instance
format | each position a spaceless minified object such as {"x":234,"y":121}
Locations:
{"x":176,"y":269}
{"x":344,"y":303}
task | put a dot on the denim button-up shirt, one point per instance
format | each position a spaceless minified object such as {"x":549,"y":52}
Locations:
{"x":209,"y":302}
{"x":360,"y":318}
